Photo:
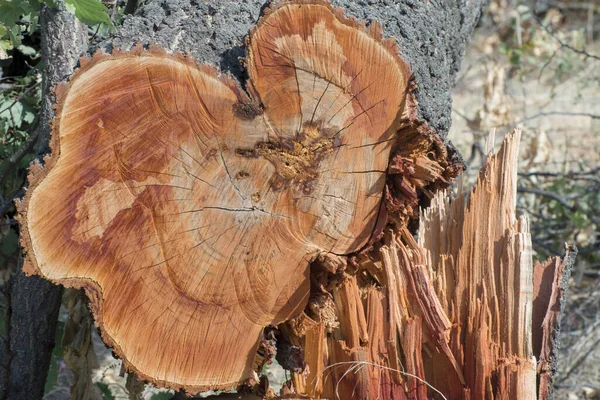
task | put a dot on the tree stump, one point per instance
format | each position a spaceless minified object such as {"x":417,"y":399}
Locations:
{"x":195,"y":212}
{"x":182,"y":204}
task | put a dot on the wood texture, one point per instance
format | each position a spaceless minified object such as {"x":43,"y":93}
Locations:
{"x":195,"y":212}
{"x":461,"y":313}
{"x":189,"y":211}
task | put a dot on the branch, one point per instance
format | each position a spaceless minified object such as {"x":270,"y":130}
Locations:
{"x":590,"y":175}
{"x":550,"y":113}
{"x":20,"y":97}
{"x":15,"y":158}
{"x":561,"y":42}
{"x":547,"y":194}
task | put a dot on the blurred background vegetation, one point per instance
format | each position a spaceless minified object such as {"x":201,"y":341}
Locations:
{"x":531,"y":64}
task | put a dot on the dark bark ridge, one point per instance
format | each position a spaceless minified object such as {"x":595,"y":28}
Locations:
{"x":34,"y":302}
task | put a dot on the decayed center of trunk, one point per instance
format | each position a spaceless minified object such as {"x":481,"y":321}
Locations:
{"x":295,"y":161}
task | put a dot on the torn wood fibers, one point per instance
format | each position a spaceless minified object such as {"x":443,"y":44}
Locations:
{"x":462,"y":313}
{"x":195,"y":213}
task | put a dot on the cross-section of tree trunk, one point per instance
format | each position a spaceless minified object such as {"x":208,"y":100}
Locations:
{"x":189,"y":210}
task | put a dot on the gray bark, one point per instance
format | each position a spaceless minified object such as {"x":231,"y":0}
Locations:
{"x":433,"y":37}
{"x":64,"y":40}
{"x":34,"y":302}
{"x":563,"y":287}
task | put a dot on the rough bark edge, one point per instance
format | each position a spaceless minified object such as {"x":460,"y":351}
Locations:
{"x":38,"y":172}
{"x":34,"y":302}
{"x":551,"y":327}
{"x":433,"y":37}
{"x":32,"y":314}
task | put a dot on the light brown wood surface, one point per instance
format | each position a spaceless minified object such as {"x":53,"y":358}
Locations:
{"x":189,"y":210}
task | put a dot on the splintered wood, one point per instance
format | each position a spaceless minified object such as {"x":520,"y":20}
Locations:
{"x":462,"y":314}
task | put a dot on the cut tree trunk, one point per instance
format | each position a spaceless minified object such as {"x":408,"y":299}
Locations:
{"x":182,"y":204}
{"x":196,"y":212}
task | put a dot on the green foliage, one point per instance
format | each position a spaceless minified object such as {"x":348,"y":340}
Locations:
{"x":105,"y":391}
{"x":529,"y":44}
{"x":19,"y":105}
{"x":90,"y":12}
{"x":19,"y":18}
{"x":576,"y":218}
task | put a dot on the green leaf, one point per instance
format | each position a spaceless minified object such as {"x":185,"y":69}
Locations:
{"x":10,"y":12}
{"x":26,"y":160}
{"x":12,"y":113}
{"x":15,"y":35}
{"x":70,"y":8}
{"x":28,"y":117}
{"x":4,"y":46}
{"x":90,"y":12}
{"x":27,"y":50}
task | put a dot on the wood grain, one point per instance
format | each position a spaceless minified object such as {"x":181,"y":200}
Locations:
{"x":190,"y":210}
